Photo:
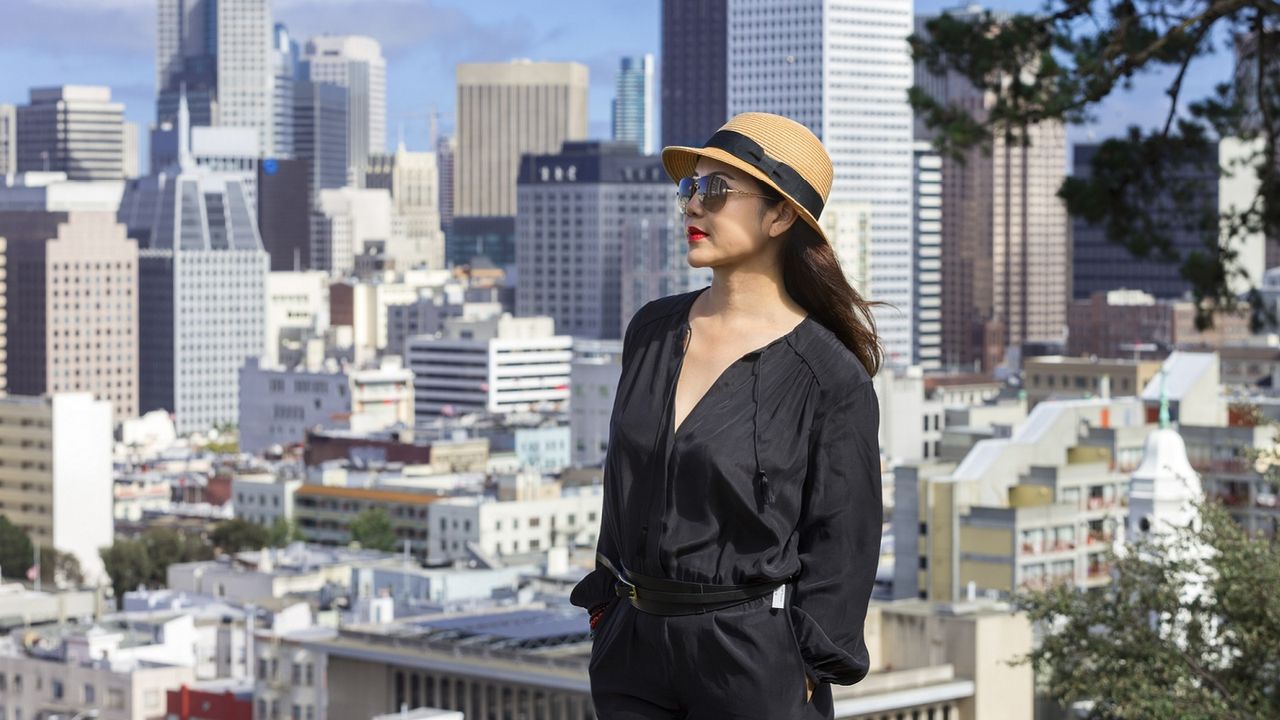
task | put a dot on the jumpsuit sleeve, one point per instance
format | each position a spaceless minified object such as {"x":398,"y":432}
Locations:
{"x":839,"y":538}
{"x":596,"y":588}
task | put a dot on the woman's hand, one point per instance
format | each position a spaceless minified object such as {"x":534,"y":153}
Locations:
{"x":808,"y":688}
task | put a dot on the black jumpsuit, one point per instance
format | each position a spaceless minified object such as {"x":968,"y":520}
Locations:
{"x":774,"y":471}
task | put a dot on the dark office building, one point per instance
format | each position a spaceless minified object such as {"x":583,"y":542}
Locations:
{"x":695,"y":54}
{"x":595,"y":237}
{"x":284,"y":213}
{"x":1099,"y":265}
{"x":320,"y":133}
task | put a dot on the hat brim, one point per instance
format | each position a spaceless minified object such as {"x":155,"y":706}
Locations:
{"x":679,"y":162}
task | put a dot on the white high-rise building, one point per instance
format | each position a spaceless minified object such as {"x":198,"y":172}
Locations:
{"x":202,"y":275}
{"x":842,"y":68}
{"x":59,"y":445}
{"x":355,"y":63}
{"x":75,"y":129}
{"x":246,"y":68}
{"x":928,"y":199}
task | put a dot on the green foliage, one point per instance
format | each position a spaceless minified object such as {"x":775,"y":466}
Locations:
{"x":372,"y":529}
{"x":16,"y":552}
{"x":144,"y":561}
{"x":235,"y":535}
{"x":283,"y":532}
{"x":1145,"y":648}
{"x":1060,"y":63}
{"x":60,"y":569}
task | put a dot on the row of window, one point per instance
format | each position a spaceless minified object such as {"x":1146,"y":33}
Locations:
{"x":58,"y":691}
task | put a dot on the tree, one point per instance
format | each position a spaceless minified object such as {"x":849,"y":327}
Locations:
{"x":60,"y":569}
{"x":166,"y":546}
{"x":372,"y":529}
{"x":1143,"y":648}
{"x":235,"y":535}
{"x":283,"y":532}
{"x":145,"y":560}
{"x":1059,"y":64}
{"x":128,"y":565}
{"x":16,"y":553}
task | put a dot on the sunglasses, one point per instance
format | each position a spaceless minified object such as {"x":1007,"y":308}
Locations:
{"x":712,"y":191}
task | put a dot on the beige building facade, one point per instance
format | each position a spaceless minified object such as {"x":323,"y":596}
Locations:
{"x":506,"y":110}
{"x":72,"y":305}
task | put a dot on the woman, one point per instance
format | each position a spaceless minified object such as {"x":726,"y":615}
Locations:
{"x":740,"y":531}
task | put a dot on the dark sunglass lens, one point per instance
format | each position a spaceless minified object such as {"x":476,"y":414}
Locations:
{"x":713,"y":192}
{"x":684,"y":192}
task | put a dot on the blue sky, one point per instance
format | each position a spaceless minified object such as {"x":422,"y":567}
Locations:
{"x":111,"y":42}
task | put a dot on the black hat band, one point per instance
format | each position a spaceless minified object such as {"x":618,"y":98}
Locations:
{"x":782,"y":174}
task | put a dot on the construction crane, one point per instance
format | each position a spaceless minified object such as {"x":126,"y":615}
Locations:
{"x":432,"y":117}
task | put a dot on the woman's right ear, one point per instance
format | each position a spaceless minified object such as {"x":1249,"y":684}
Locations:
{"x":784,"y":217}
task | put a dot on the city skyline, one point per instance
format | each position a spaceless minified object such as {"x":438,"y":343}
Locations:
{"x":97,"y":42}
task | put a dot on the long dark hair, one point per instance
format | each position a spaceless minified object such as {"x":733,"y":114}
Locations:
{"x":812,"y":276}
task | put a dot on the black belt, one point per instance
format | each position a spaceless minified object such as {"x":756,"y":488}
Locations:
{"x":662,"y":596}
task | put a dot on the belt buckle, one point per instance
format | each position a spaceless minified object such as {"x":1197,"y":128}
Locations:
{"x":630,"y":591}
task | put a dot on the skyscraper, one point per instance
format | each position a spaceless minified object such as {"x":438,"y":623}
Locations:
{"x":187,"y":60}
{"x":1098,"y":265}
{"x":633,"y":103}
{"x":695,"y":72}
{"x":505,"y":110}
{"x":245,"y":70}
{"x":219,"y":54}
{"x":8,"y":139}
{"x":74,"y":129}
{"x":1005,"y":251}
{"x":927,"y":300}
{"x":446,"y":147}
{"x":842,"y":69}
{"x":577,"y":207}
{"x":320,"y":133}
{"x":201,"y":288}
{"x":284,"y":65}
{"x":73,"y":308}
{"x":354,"y":63}
{"x":284,"y":212}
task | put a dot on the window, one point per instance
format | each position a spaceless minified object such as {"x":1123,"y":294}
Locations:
{"x":57,"y":690}
{"x":90,"y":696}
{"x":115,"y":698}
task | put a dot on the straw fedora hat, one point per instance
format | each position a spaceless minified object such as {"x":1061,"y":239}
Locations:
{"x":776,"y":150}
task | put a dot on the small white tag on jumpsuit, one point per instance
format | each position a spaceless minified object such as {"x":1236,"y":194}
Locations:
{"x":779,"y":596}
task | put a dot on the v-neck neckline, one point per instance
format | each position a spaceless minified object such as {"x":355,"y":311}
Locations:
{"x":686,"y":328}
